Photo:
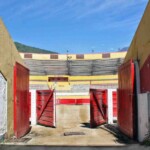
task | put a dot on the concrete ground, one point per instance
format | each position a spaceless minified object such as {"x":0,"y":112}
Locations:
{"x":71,"y":118}
{"x":55,"y":136}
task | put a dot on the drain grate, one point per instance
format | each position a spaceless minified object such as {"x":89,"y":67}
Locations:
{"x":73,"y":133}
{"x":22,"y":140}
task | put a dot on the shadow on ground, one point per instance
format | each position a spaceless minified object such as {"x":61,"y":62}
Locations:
{"x":121,"y":138}
{"x":85,"y":125}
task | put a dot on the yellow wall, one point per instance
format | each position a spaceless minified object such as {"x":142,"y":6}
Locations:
{"x":75,"y":78}
{"x":118,"y":55}
{"x":140,"y":46}
{"x":73,"y":56}
{"x":8,"y":56}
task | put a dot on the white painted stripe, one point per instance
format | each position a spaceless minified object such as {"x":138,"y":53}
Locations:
{"x":33,"y":118}
{"x":114,"y":118}
{"x":110,"y":105}
{"x":54,"y":113}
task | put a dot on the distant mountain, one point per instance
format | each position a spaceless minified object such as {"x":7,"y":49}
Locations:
{"x":123,"y":49}
{"x":28,"y":49}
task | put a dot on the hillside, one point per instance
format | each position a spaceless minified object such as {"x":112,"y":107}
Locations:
{"x":28,"y":49}
{"x":123,"y":49}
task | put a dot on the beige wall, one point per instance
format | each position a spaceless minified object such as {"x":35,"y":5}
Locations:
{"x":140,"y":46}
{"x":79,"y":114}
{"x":8,"y":56}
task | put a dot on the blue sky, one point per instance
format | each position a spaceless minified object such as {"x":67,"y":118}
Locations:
{"x":79,"y":26}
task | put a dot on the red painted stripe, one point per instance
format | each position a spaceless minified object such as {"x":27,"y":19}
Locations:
{"x":82,"y":101}
{"x":73,"y":101}
{"x":114,"y":104}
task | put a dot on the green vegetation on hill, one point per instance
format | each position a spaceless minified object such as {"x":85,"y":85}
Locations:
{"x":123,"y":49}
{"x":28,"y":49}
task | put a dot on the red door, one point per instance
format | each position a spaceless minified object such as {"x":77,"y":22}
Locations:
{"x":46,"y":108}
{"x":98,"y":107}
{"x":21,"y":100}
{"x":126,"y":99}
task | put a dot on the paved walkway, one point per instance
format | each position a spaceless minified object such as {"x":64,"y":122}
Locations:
{"x":70,"y":119}
{"x":55,"y":137}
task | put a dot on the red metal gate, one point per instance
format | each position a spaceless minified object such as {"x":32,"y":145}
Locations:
{"x":98,"y":107}
{"x":126,"y":99}
{"x":46,"y":108}
{"x":21,"y":100}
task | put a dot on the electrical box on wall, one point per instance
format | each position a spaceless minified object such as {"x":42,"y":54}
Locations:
{"x":143,"y":116}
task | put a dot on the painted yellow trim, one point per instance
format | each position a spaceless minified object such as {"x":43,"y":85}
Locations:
{"x":41,"y":56}
{"x":42,"y":78}
{"x":92,"y":56}
{"x":73,"y":78}
{"x":22,"y":55}
{"x":73,"y":56}
{"x":118,"y":55}
{"x":58,"y":85}
{"x":104,"y":82}
{"x":76,"y":78}
{"x":38,"y":82}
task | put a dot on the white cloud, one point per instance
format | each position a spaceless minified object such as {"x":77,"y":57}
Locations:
{"x":71,"y":9}
{"x":111,"y":6}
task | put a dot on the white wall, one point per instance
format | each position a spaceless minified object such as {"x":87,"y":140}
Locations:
{"x":143,"y":115}
{"x":110,"y":106}
{"x":33,"y":118}
{"x":3,"y":105}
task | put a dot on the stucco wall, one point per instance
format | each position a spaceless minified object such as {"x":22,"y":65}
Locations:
{"x":8,"y":56}
{"x":140,"y":46}
{"x":70,"y":116}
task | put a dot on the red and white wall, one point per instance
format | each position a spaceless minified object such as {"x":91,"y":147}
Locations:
{"x":111,"y":102}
